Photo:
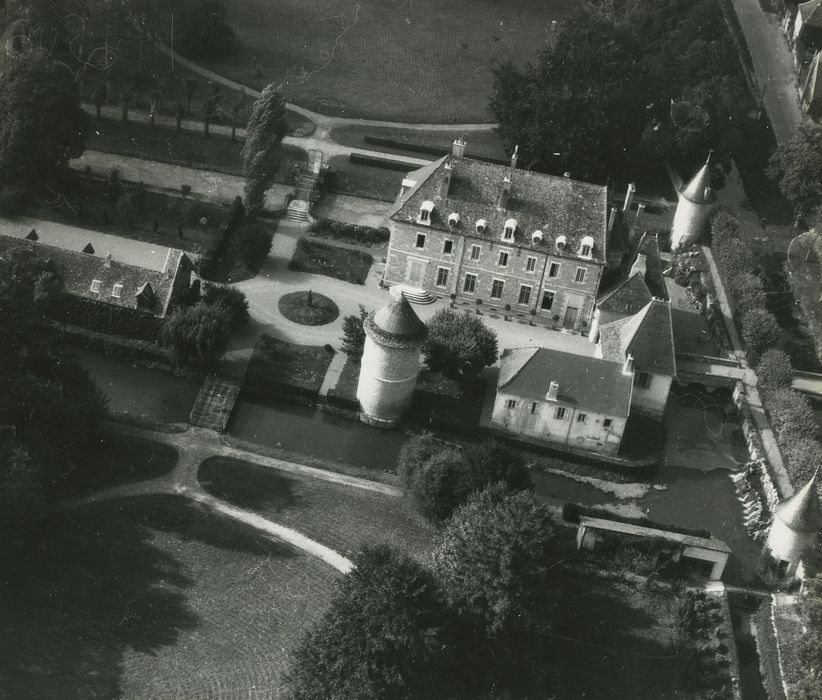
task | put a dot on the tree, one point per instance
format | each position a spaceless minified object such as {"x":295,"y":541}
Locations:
{"x":759,"y":330}
{"x":264,"y":133}
{"x":42,"y":124}
{"x":381,"y":637}
{"x":233,"y":300}
{"x":353,"y":339}
{"x":774,"y":369}
{"x":441,"y":483}
{"x":197,"y":335}
{"x":203,"y":31}
{"x":491,"y":461}
{"x":254,"y":244}
{"x":21,"y":490}
{"x":494,"y":563}
{"x":796,"y":166}
{"x":790,"y":414}
{"x":459,"y":344}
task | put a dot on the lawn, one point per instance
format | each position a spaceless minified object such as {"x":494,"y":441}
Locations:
{"x":358,"y":180}
{"x":416,"y":62}
{"x":217,"y":153}
{"x":338,"y":516}
{"x":279,"y":368}
{"x":615,"y":641}
{"x":165,"y":600}
{"x":331,"y":261}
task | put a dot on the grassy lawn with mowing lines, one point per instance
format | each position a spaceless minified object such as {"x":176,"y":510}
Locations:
{"x":154,"y":597}
{"x":421,"y":61}
{"x":338,"y":516}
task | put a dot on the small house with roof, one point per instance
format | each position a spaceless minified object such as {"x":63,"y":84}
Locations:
{"x":563,"y":399}
{"x":646,"y":342}
{"x":491,"y":235}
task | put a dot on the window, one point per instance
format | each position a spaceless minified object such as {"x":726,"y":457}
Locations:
{"x":420,"y":243}
{"x":424,"y":214}
{"x":530,"y":264}
{"x":442,"y":276}
{"x":553,"y":270}
{"x":524,"y":294}
{"x":95,"y":285}
{"x":502,"y":261}
{"x":475,"y":252}
{"x":447,"y":246}
{"x":470,"y":283}
{"x":533,"y":409}
{"x":511,"y":404}
{"x":582,"y":417}
{"x":579,"y":278}
{"x":496,"y":289}
{"x":607,"y":423}
{"x":508,"y":234}
{"x":547,"y":301}
{"x":116,"y":289}
{"x":642,"y":380}
{"x":559,"y":414}
{"x":585,"y":251}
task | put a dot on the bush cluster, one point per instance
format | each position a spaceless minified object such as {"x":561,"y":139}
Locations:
{"x":231,"y":299}
{"x":354,"y":233}
{"x":703,"y":654}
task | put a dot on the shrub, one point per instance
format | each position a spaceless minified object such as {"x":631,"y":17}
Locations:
{"x":459,"y":345}
{"x":724,"y":228}
{"x":760,"y":330}
{"x":774,"y":369}
{"x":747,"y":291}
{"x":353,"y":338}
{"x":186,"y":190}
{"x":441,"y":483}
{"x":231,"y":299}
{"x":734,"y":258}
{"x":492,"y":461}
{"x":254,"y":245}
{"x":790,"y":413}
{"x":803,"y":455}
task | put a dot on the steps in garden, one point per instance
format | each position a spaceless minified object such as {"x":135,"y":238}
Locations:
{"x":215,"y":402}
{"x":414,"y":295}
{"x":297,"y":210}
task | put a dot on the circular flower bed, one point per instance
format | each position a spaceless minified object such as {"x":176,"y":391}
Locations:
{"x":308,"y":308}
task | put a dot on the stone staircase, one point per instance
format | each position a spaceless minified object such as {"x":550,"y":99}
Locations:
{"x":215,"y":402}
{"x":413,"y":294}
{"x":297,"y":210}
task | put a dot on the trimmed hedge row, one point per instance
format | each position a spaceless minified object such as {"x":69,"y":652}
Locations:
{"x":355,"y":233}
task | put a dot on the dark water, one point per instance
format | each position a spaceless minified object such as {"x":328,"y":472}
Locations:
{"x":750,"y":677}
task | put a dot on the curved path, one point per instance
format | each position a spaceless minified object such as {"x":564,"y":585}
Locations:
{"x":196,"y":445}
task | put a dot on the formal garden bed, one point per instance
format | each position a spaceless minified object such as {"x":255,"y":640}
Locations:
{"x":354,"y":234}
{"x":338,"y":516}
{"x":281,"y":370}
{"x":308,"y":308}
{"x":332,"y":261}
{"x":360,"y":180}
{"x":131,"y":607}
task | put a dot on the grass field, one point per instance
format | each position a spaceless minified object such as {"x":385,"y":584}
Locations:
{"x":154,"y":598}
{"x":420,"y":61}
{"x":340,"y":517}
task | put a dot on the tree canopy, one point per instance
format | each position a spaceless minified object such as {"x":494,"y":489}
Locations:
{"x":197,"y":335}
{"x":796,"y":166}
{"x":459,"y":344}
{"x":42,"y":124}
{"x":264,"y":133}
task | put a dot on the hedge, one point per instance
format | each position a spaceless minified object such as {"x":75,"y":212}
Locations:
{"x":105,"y":318}
{"x":368,"y":235}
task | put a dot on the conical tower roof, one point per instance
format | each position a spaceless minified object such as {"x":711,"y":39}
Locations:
{"x":801,"y":511}
{"x":699,"y":190}
{"x":396,"y":324}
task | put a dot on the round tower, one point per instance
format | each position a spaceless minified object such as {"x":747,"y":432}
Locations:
{"x":794,"y":528}
{"x":696,"y":200}
{"x":390,"y":362}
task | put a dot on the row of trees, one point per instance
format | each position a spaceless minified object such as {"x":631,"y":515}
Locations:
{"x":475,"y":623}
{"x":622,"y":83}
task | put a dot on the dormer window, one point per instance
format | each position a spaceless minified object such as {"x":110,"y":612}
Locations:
{"x":95,"y":286}
{"x":586,"y":247}
{"x":425,"y":212}
{"x":508,"y":231}
{"x":453,"y":219}
{"x":536,"y":237}
{"x":481,"y":225}
{"x":561,"y":241}
{"x":116,"y":290}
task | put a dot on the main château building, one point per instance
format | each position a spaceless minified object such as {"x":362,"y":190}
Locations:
{"x":501,"y":238}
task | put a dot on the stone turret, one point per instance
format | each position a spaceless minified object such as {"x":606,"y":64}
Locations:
{"x":390,"y":362}
{"x":794,"y":528}
{"x":696,"y":200}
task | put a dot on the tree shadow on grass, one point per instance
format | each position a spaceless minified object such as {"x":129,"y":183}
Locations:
{"x":248,"y":485}
{"x":99,"y":584}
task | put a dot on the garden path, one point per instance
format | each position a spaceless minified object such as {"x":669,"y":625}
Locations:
{"x":196,"y":445}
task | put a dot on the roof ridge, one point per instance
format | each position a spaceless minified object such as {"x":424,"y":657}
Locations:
{"x":510,"y":379}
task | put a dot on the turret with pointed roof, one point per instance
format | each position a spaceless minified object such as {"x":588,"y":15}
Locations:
{"x":795,"y":525}
{"x":390,"y":362}
{"x":696,"y":199}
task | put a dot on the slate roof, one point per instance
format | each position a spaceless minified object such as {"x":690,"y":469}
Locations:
{"x":647,"y":336}
{"x":801,"y":511}
{"x":588,"y":383}
{"x":628,"y":297}
{"x":78,"y":270}
{"x":699,"y":190}
{"x":396,"y":324}
{"x":649,"y":246}
{"x":554,"y":205}
{"x":811,"y":12}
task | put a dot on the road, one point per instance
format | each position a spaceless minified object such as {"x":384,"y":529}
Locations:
{"x":773,"y":67}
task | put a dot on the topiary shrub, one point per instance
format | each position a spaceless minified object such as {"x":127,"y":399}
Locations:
{"x":790,"y":413}
{"x":774,"y":369}
{"x":760,"y":330}
{"x":231,"y":299}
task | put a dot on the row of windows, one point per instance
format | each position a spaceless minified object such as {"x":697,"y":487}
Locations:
{"x":503,"y":258}
{"x":115,"y":290}
{"x":560,"y":412}
{"x":469,"y":286}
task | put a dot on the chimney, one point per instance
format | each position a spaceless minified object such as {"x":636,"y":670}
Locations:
{"x":612,"y":219}
{"x":458,"y":147}
{"x":514,"y":157}
{"x":629,"y":197}
{"x":553,"y":390}
{"x":628,"y":367}
{"x":445,"y":183}
{"x":107,"y":263}
{"x":639,"y":265}
{"x":502,"y":203}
